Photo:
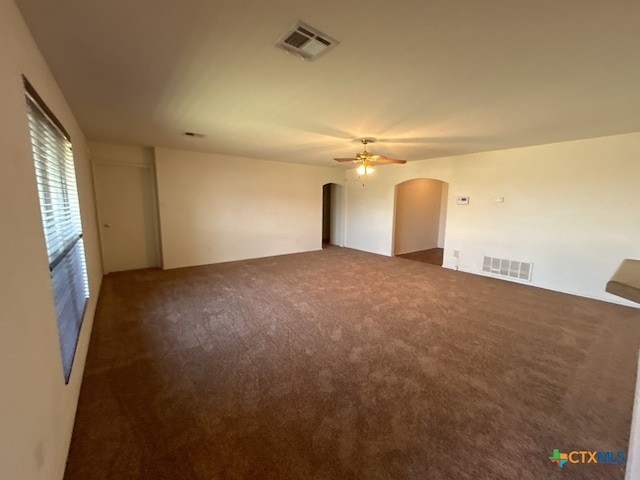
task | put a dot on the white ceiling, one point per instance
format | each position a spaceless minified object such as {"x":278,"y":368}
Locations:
{"x":431,"y":77}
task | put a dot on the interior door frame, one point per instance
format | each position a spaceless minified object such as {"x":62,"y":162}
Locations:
{"x":444,"y":210}
{"x":337,"y":231}
{"x":154,"y":217}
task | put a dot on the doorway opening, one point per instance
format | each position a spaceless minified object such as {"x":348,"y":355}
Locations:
{"x":420,"y":220}
{"x":332,"y":218}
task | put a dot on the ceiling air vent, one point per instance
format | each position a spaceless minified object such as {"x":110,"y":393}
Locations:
{"x":306,"y":41}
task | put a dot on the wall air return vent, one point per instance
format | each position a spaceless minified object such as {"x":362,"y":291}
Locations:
{"x":306,"y":41}
{"x":507,"y":268}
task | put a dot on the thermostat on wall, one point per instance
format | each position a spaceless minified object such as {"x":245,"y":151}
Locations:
{"x":462,"y":200}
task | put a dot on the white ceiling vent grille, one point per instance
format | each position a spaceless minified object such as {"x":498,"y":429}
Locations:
{"x":306,"y":41}
{"x":507,"y":268}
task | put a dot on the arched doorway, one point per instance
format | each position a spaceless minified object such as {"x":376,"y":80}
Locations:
{"x":332,"y":215}
{"x":420,"y":220}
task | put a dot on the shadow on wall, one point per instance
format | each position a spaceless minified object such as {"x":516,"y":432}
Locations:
{"x":420,"y":215}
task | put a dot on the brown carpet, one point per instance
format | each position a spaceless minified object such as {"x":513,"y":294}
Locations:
{"x":339,"y":364}
{"x":433,"y":256}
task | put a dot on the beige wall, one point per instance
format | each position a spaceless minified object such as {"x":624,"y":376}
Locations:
{"x":570,"y":208}
{"x":417,"y":221}
{"x":121,"y":154}
{"x":442,"y":228}
{"x":337,"y":214}
{"x":215,"y":208}
{"x":36,"y":407}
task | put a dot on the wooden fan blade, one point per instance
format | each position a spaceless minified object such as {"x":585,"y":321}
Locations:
{"x":381,"y":159}
{"x":345,"y":159}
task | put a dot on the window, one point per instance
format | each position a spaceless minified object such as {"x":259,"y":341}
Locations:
{"x":58,"y":194}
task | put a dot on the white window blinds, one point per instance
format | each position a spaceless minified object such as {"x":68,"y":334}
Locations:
{"x":58,"y":194}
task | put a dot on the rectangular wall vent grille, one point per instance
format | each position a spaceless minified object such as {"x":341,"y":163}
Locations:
{"x":507,"y":268}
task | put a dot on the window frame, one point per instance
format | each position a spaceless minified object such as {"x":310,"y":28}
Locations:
{"x":54,"y":170}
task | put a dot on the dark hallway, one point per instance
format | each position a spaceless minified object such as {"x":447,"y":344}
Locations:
{"x":433,"y":256}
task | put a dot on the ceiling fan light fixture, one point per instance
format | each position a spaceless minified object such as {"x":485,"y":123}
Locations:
{"x":365,"y":169}
{"x":367,"y":160}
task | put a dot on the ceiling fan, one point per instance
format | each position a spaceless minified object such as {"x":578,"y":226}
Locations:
{"x":367,"y":160}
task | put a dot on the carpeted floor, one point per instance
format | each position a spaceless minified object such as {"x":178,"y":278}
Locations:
{"x":433,"y":256}
{"x":339,"y":364}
